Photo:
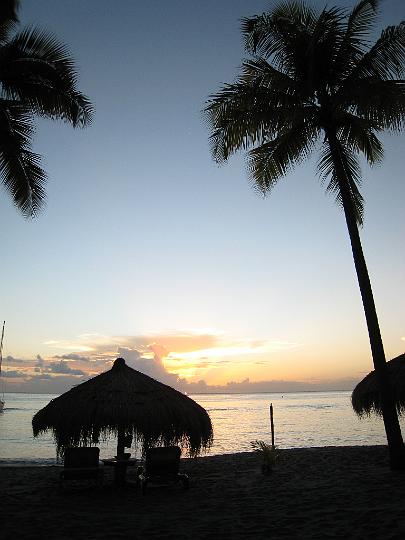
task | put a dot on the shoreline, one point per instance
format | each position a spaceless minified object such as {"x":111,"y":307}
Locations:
{"x":46,"y":462}
{"x":313,"y":493}
{"x":36,"y":463}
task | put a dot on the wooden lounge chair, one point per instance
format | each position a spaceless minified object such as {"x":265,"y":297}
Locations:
{"x":162,"y":466}
{"x":82,"y":463}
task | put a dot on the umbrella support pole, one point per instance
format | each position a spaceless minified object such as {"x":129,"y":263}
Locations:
{"x":120,"y":444}
{"x":120,"y":468}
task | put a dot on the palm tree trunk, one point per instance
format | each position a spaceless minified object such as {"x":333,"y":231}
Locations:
{"x":390,"y":417}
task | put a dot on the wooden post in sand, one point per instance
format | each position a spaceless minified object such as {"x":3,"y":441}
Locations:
{"x":272,"y":425}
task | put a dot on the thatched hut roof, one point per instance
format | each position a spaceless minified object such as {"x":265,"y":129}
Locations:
{"x":127,"y":401}
{"x":366,"y":395}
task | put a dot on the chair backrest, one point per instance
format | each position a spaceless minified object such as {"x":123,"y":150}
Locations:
{"x":162,"y":460}
{"x":82,"y":456}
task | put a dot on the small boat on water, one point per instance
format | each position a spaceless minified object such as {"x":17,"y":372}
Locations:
{"x":2,"y":402}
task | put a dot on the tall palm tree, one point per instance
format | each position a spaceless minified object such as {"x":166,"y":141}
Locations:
{"x":37,"y":77}
{"x":315,"y":79}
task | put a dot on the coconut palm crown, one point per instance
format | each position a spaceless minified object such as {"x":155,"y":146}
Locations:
{"x":37,"y":78}
{"x":315,"y":81}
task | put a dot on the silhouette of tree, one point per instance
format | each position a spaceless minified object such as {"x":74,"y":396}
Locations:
{"x":37,"y":78}
{"x":314,"y":77}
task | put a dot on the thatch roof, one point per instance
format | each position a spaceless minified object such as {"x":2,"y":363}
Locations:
{"x":366,"y":395}
{"x":127,"y":401}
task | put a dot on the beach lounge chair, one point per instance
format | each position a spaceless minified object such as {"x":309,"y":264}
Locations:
{"x":162,"y":466}
{"x":82,"y":463}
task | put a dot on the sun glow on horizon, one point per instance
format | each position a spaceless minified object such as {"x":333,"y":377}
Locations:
{"x":232,"y":350}
{"x":183,"y":358}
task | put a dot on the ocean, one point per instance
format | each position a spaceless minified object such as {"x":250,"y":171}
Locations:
{"x":304,"y":419}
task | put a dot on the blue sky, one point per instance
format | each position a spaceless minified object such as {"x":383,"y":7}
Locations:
{"x":144,"y":235}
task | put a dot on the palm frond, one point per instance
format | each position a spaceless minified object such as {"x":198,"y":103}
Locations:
{"x":317,"y":55}
{"x":38,"y":69}
{"x":273,"y":160}
{"x":299,"y":41}
{"x":263,"y":35}
{"x":385,"y":60}
{"x":378,"y":101}
{"x":235,"y":124}
{"x":281,"y":35}
{"x":243,"y":115}
{"x":259,"y":72}
{"x":20,"y":168}
{"x":329,"y":172}
{"x":8,"y":18}
{"x":361,"y":21}
{"x":355,"y":41}
{"x":358,"y":136}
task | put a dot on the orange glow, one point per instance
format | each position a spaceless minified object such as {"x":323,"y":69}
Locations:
{"x":214,"y":358}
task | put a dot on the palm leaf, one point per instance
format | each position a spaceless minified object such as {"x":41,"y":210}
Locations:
{"x":38,"y":69}
{"x":357,"y":135}
{"x":329,"y":172}
{"x":362,"y":19}
{"x":266,"y":34}
{"x":246,"y":114}
{"x":258,"y":71}
{"x":273,"y":160}
{"x":8,"y":17}
{"x":385,"y":60}
{"x":380,"y":102}
{"x":21,"y":173}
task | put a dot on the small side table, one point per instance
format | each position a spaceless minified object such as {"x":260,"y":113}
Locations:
{"x":120,"y":468}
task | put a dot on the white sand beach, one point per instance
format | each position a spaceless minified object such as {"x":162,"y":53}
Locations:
{"x":316,"y":493}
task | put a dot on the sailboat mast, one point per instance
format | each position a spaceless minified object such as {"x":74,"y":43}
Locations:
{"x":1,"y":345}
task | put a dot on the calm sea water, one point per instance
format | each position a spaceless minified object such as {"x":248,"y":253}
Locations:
{"x":301,"y":420}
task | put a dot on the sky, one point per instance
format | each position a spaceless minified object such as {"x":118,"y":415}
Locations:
{"x":149,"y":250}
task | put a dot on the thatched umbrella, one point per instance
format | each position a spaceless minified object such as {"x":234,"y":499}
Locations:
{"x":125,"y":402}
{"x":366,"y":395}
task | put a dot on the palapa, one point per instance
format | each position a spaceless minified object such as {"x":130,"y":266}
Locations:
{"x":366,"y":395}
{"x":125,"y":402}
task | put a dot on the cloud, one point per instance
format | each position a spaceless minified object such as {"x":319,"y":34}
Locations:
{"x":11,"y":361}
{"x":177,"y":346}
{"x":63,"y":368}
{"x":47,"y":383}
{"x":40,"y":361}
{"x":42,"y":377}
{"x":279,"y":386}
{"x":58,"y":376}
{"x":150,"y":366}
{"x":239,"y":348}
{"x":168,"y":357}
{"x":12,"y":374}
{"x":177,"y":359}
{"x":73,"y":356}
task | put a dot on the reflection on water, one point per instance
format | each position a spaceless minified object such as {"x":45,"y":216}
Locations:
{"x":301,"y":420}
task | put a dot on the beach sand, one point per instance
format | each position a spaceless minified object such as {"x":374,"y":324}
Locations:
{"x":317,"y":493}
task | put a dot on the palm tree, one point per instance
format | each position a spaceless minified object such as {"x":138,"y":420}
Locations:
{"x":37,"y":78}
{"x":314,"y":78}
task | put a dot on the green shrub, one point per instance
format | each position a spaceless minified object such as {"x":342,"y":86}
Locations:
{"x":268,"y":453}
